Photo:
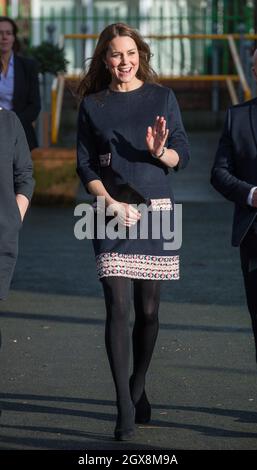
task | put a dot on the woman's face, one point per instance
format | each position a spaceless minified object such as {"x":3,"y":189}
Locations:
{"x":6,"y":37}
{"x":122,"y":59}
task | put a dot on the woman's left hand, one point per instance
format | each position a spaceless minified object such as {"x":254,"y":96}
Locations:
{"x":156,"y":136}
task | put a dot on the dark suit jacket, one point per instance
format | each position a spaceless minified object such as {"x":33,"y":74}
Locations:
{"x":26,"y":96}
{"x":234,"y":172}
{"x":15,"y":178}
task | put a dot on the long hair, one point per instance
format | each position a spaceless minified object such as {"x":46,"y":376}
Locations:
{"x":97,"y":77}
{"x":16,"y":44}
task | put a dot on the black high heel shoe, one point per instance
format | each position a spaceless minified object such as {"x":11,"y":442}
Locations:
{"x":143,"y":410}
{"x":125,"y":434}
{"x":142,"y":407}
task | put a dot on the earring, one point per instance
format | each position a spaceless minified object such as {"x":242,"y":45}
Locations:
{"x":106,"y":66}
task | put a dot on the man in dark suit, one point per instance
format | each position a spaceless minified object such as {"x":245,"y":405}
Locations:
{"x":234,"y":175}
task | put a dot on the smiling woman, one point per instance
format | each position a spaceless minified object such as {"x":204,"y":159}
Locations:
{"x":122,"y":61}
{"x":129,"y":134}
{"x":117,"y":43}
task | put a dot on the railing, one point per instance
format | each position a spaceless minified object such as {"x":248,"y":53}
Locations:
{"x":48,"y":21}
{"x":56,"y":106}
{"x":214,"y":77}
{"x":240,"y":71}
{"x":229,"y":79}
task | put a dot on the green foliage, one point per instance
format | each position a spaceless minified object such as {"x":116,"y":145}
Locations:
{"x":55,"y":184}
{"x":47,"y":178}
{"x":50,"y":57}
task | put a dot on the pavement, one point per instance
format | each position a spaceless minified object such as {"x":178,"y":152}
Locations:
{"x":56,"y":385}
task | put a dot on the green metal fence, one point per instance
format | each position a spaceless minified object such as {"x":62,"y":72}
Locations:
{"x":183,"y":56}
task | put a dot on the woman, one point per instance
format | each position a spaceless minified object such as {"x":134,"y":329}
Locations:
{"x":16,"y":187}
{"x":122,"y":132}
{"x":19,"y":86}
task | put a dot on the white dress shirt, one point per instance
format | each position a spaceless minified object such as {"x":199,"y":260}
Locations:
{"x":7,"y":86}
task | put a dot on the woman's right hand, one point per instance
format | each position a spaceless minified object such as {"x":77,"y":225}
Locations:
{"x":127,"y":214}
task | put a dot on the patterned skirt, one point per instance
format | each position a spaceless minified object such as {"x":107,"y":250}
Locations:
{"x":149,"y":250}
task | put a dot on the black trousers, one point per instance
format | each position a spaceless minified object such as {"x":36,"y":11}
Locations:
{"x":248,"y":254}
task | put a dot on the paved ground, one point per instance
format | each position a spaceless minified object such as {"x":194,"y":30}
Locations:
{"x":56,"y":387}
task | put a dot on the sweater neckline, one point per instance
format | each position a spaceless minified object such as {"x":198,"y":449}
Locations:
{"x":130,"y":92}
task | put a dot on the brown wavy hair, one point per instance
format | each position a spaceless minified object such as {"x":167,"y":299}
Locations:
{"x":97,"y":77}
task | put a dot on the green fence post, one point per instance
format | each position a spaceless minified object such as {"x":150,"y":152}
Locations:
{"x":83,"y":31}
{"x":160,"y":43}
{"x":62,"y":21}
{"x":193,"y":42}
{"x":224,"y":44}
{"x":42,"y":23}
{"x":249,"y":17}
{"x":94,"y":20}
{"x":106,"y":17}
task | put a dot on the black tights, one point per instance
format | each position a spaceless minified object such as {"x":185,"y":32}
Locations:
{"x":117,"y":292}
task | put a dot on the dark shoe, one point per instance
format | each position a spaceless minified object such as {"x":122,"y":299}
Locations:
{"x":125,"y":433}
{"x":143,"y":410}
{"x":142,"y":407}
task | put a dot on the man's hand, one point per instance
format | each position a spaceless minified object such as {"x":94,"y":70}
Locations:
{"x":23,"y":204}
{"x":254,"y":199}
